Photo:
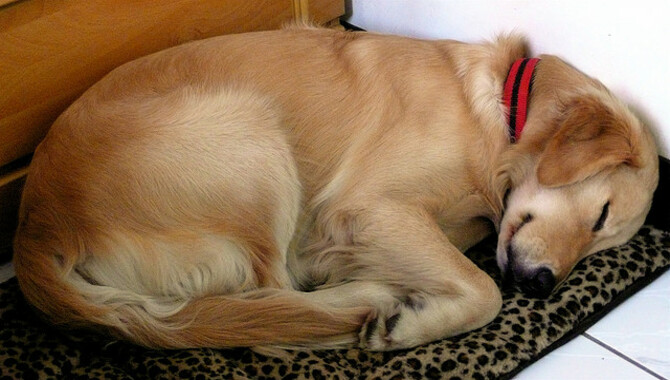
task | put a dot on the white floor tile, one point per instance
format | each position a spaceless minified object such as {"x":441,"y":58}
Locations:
{"x":6,"y":272}
{"x":582,"y":359}
{"x":640,"y":327}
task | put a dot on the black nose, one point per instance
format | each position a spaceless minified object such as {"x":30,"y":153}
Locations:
{"x":539,"y":284}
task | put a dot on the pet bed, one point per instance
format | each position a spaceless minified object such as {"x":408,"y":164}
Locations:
{"x":524,"y":331}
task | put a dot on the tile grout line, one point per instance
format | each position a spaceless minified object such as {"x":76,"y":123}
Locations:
{"x":622,"y":356}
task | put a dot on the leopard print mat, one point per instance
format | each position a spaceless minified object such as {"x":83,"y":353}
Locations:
{"x":524,"y":331}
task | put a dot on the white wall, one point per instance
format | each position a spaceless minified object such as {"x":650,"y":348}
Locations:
{"x":625,"y":44}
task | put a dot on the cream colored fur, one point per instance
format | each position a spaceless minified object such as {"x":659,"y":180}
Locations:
{"x":316,"y":188}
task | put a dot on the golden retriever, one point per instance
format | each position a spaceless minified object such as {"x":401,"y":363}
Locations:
{"x":316,"y":188}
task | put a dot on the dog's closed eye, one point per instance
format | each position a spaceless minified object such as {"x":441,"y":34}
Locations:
{"x":603,"y":217}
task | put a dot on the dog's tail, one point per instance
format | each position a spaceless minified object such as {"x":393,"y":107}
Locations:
{"x":268,"y":317}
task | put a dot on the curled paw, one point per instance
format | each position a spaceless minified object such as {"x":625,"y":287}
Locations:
{"x":396,"y":327}
{"x":377,"y":332}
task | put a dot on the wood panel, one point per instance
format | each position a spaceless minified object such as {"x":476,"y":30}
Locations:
{"x":52,"y":50}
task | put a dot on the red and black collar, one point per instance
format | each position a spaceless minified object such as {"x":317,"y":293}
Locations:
{"x":516,"y":94}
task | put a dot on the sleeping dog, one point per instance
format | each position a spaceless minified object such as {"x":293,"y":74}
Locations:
{"x":316,"y":188}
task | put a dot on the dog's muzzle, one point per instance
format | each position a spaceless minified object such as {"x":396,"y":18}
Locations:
{"x":538,"y":284}
{"x":534,"y":282}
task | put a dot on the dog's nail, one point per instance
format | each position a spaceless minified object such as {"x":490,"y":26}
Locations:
{"x":391,"y":323}
{"x":371,"y":327}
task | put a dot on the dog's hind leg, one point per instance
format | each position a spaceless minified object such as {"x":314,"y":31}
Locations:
{"x":437,"y":292}
{"x":172,"y":228}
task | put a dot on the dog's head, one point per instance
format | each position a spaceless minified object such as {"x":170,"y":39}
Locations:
{"x":587,"y":188}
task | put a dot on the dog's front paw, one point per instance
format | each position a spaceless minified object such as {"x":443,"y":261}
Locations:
{"x":391,"y":329}
{"x":377,"y":330}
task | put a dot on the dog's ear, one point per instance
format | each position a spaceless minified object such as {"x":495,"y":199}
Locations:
{"x":590,"y":139}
